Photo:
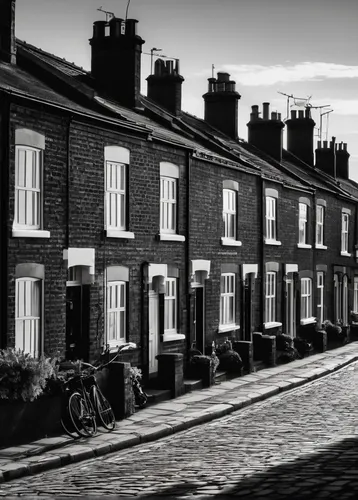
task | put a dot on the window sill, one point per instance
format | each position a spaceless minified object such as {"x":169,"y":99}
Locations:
{"x":308,"y":321}
{"x":272,"y":324}
{"x":170,"y":337}
{"x":230,"y":242}
{"x":115,"y":233}
{"x":321,"y":247}
{"x":30,"y":233}
{"x":346,"y":254}
{"x":303,"y":245}
{"x":272,"y":242}
{"x":171,"y":237}
{"x":228,"y":328}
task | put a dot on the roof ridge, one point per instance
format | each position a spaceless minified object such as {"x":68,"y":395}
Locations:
{"x":26,"y":45}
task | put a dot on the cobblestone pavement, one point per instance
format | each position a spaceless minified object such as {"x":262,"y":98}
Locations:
{"x":301,"y":444}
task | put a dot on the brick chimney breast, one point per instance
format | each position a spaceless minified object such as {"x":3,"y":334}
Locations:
{"x":164,"y":86}
{"x":342,"y":161}
{"x":221,"y":104}
{"x":266,"y":133}
{"x":116,"y":59}
{"x":7,"y":31}
{"x":300,"y":133}
{"x":326,"y":157}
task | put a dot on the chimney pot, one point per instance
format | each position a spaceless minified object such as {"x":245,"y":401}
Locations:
{"x":223,"y":77}
{"x":274,"y":115}
{"x":131,"y":27}
{"x":293,"y":114}
{"x":345,"y":146}
{"x":307,"y":113}
{"x":266,"y":110}
{"x":279,"y":116}
{"x":99,"y":29}
{"x":115,"y":27}
{"x":325,"y":144}
{"x":300,"y":114}
{"x":7,"y":31}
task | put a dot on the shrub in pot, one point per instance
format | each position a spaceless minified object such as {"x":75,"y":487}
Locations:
{"x":334,"y":332}
{"x":230,"y":360}
{"x":283,"y":341}
{"x":302,"y":345}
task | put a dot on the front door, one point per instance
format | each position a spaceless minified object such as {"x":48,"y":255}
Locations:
{"x":249,"y":287}
{"x":77,"y":322}
{"x":153,"y":331}
{"x":290,"y":308}
{"x":199,"y":319}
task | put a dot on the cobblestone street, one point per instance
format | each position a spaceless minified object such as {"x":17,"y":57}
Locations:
{"x":302,"y":444}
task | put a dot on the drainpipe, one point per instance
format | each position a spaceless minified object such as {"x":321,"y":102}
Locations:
{"x":68,"y":170}
{"x":314,"y":305}
{"x":189,"y":155}
{"x":4,"y":214}
{"x":262,"y":251}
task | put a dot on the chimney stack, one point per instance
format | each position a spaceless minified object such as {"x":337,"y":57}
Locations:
{"x":116,"y":59}
{"x":7,"y":31}
{"x":326,"y":157}
{"x":300,"y":132}
{"x":164,"y":87}
{"x":221,"y":104}
{"x":266,"y":133}
{"x":342,"y":161}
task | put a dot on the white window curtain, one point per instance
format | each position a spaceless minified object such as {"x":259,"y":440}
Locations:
{"x":28,"y":316}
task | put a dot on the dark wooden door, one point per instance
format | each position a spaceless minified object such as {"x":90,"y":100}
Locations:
{"x":199,"y":319}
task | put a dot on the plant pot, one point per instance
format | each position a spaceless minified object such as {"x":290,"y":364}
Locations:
{"x":25,"y":421}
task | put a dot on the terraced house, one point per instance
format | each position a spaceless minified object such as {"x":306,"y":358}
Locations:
{"x":124,"y":218}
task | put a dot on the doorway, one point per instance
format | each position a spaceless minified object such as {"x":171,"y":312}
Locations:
{"x":199,"y":329}
{"x":77,"y":316}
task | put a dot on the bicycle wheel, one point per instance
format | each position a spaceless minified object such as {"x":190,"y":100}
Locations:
{"x":103,"y":409}
{"x":82,"y":415}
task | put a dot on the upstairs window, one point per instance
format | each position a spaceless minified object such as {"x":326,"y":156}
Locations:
{"x":320,"y":225}
{"x":116,"y":167}
{"x":28,"y":180}
{"x":302,"y":224}
{"x":168,"y":205}
{"x":270,"y":218}
{"x":344,"y":235}
{"x":306,"y":298}
{"x":270,"y":297}
{"x":227,"y":299}
{"x":355,"y":294}
{"x":229,"y":213}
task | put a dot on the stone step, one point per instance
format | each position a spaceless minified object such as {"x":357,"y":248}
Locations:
{"x":192,"y":385}
{"x":220,"y":377}
{"x":157,"y":395}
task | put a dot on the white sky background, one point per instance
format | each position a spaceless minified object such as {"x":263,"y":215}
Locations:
{"x":300,"y":47}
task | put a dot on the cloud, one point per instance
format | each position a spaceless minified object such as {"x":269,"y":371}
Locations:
{"x":340,"y":107}
{"x":259,"y":75}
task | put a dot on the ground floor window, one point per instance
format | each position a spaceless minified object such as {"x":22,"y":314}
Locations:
{"x":306,"y":298}
{"x":170,"y":306}
{"x":116,"y":313}
{"x":270,"y":297}
{"x":320,"y":297}
{"x":355,"y":294}
{"x":345,"y":300}
{"x":28,"y":316}
{"x":227,"y":299}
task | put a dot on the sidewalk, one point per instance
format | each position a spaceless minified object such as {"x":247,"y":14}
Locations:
{"x":173,"y":416}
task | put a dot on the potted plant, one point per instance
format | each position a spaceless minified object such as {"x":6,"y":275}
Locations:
{"x":230,"y":360}
{"x":285,"y":350}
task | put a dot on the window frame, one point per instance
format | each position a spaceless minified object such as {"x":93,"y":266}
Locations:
{"x":38,"y":156}
{"x":270,"y":296}
{"x":113,"y":343}
{"x":320,"y":296}
{"x":320,"y":216}
{"x":230,"y":212}
{"x":345,"y":300}
{"x":225,"y":296}
{"x":345,"y":233}
{"x":355,"y":294}
{"x":166,"y":202}
{"x":302,"y":223}
{"x":119,"y":193}
{"x":271,"y":218}
{"x":171,"y":327}
{"x":35,"y":353}
{"x":306,"y":299}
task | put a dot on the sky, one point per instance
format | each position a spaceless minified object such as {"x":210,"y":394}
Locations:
{"x":305,"y":48}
